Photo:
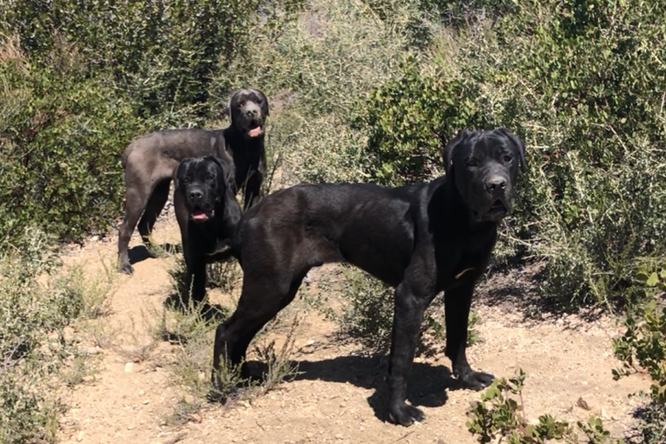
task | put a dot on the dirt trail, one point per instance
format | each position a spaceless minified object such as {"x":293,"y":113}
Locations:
{"x":335,"y":400}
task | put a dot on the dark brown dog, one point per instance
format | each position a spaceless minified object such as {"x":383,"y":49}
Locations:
{"x":149,"y":162}
{"x":420,"y":239}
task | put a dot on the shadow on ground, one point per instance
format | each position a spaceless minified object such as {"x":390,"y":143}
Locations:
{"x":140,"y":253}
{"x":427,"y":387}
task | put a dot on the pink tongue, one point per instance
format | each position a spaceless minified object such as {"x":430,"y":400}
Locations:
{"x":255,"y":132}
{"x":199,"y":216}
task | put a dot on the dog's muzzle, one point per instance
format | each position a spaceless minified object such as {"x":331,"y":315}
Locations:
{"x":496,"y":187}
{"x":200,"y":211}
{"x":252,"y":120}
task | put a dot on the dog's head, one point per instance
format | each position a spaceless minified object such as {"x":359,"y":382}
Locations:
{"x":484,"y":166}
{"x":248,"y":109}
{"x":207,"y":187}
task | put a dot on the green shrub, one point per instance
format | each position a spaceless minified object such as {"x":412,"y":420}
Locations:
{"x":644,"y":344}
{"x":500,"y":414}
{"x":163,"y":54}
{"x":366,"y":315}
{"x":581,"y":83}
{"x":316,"y":70}
{"x":37,"y":301}
{"x":80,"y":80}
{"x":60,"y":160}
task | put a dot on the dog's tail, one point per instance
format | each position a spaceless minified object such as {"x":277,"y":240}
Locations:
{"x":125,"y":155}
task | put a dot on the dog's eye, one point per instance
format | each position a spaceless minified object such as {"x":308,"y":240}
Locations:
{"x":210,"y":178}
{"x":506,"y":158}
{"x":241,"y":104}
{"x":472,"y":162}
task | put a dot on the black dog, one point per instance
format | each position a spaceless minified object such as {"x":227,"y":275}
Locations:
{"x":150,"y":160}
{"x":420,"y":239}
{"x":207,"y":213}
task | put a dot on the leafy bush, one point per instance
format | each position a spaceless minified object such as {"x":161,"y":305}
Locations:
{"x":581,"y":83}
{"x":366,"y":315}
{"x":79,"y":80}
{"x":644,"y":344}
{"x":37,"y":301}
{"x":316,"y":70}
{"x":60,"y":162}
{"x":164,"y":54}
{"x":500,"y":414}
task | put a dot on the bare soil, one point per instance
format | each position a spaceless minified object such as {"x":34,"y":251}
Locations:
{"x":340,"y":395}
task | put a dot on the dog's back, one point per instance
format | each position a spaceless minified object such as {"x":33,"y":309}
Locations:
{"x":333,"y":223}
{"x":178,"y":144}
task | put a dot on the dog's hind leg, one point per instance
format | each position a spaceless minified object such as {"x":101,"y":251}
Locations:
{"x":135,"y":201}
{"x":259,"y":303}
{"x":154,"y":207}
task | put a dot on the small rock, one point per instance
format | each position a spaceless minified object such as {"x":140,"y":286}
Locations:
{"x":129,"y":367}
{"x":92,"y":350}
{"x":582,"y":404}
{"x":195,"y":417}
{"x":79,"y":437}
{"x":146,"y":402}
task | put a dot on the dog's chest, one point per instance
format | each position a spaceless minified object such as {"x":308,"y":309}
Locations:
{"x":459,"y":273}
{"x":459,"y":265}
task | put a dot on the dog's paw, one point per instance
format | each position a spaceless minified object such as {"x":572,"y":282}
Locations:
{"x":152,"y":252}
{"x":476,"y":380}
{"x":216,"y":396}
{"x":126,"y":269}
{"x":405,"y":415}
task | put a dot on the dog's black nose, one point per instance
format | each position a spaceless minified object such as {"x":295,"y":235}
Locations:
{"x":496,"y":185}
{"x":196,"y":194}
{"x":251,"y":112}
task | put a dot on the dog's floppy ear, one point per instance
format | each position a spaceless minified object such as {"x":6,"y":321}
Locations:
{"x":449,"y":149}
{"x":177,"y":172}
{"x":229,"y":105}
{"x":520,"y":147}
{"x":227,"y":190}
{"x":227,"y":167}
{"x":264,"y":101}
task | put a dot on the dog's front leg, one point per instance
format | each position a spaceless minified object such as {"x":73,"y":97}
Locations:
{"x":457,"y":303}
{"x":195,"y":276}
{"x":407,"y":318}
{"x":253,"y":189}
{"x":199,"y":278}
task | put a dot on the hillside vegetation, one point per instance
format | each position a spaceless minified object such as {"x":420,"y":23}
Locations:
{"x":361,"y":90}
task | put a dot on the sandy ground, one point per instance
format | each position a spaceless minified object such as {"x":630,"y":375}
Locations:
{"x":340,"y":396}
